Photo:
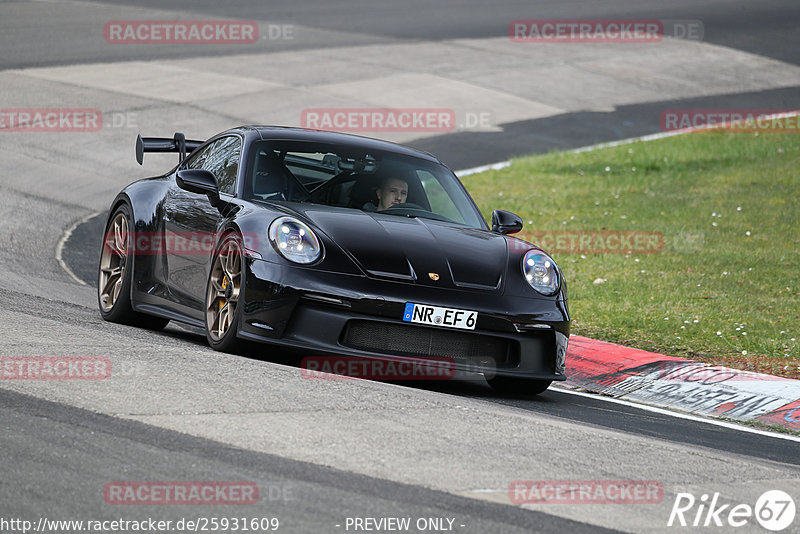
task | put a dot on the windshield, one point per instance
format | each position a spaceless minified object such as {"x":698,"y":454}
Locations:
{"x":377,"y":181}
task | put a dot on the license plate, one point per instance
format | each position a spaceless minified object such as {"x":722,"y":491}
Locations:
{"x":437,"y":316}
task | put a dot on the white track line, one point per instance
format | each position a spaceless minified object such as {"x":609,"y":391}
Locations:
{"x":484,"y":168}
{"x":680,"y":415}
{"x":63,"y":240}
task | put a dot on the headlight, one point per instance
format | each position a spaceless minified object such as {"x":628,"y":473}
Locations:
{"x":541,"y":272}
{"x":294,"y":240}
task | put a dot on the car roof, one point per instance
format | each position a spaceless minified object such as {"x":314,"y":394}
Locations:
{"x":287,"y":133}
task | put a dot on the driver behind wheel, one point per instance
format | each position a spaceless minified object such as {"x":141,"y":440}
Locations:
{"x":392,"y":191}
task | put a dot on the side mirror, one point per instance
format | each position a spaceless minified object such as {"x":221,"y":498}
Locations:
{"x":199,"y":181}
{"x":505,"y":222}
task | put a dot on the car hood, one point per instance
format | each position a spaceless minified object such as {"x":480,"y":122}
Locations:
{"x":415,"y":249}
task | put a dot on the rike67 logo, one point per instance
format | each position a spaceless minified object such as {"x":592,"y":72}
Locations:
{"x":774,"y":510}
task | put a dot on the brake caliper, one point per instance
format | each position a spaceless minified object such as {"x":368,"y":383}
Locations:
{"x":224,"y":288}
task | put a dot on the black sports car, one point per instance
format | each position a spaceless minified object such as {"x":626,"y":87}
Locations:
{"x":334,"y":245}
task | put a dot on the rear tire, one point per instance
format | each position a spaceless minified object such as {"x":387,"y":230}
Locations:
{"x":115,"y":272}
{"x":518,"y":387}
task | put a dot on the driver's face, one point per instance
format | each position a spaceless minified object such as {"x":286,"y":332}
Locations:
{"x":393,"y":192}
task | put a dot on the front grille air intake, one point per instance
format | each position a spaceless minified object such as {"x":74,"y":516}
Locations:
{"x":425,"y":342}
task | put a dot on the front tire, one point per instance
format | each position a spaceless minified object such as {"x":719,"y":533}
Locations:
{"x":518,"y":387}
{"x":115,"y":272}
{"x":224,"y":292}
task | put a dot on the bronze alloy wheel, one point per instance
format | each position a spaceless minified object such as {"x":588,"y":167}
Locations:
{"x":115,"y":275}
{"x":224,"y":287}
{"x":113,"y":262}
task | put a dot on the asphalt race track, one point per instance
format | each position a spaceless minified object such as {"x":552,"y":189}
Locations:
{"x":325,"y":452}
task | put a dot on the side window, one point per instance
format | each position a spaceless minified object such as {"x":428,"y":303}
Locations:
{"x":221,"y":158}
{"x":196,"y":160}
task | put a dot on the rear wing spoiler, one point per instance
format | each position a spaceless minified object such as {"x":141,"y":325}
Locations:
{"x":178,"y":144}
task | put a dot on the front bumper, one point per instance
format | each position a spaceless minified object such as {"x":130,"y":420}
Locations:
{"x":323,"y":313}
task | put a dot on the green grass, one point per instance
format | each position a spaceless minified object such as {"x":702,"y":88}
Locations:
{"x":712,"y":292}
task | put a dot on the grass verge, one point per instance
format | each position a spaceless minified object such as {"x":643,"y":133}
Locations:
{"x":687,"y":245}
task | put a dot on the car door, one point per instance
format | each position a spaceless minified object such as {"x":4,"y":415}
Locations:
{"x":190,"y":223}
